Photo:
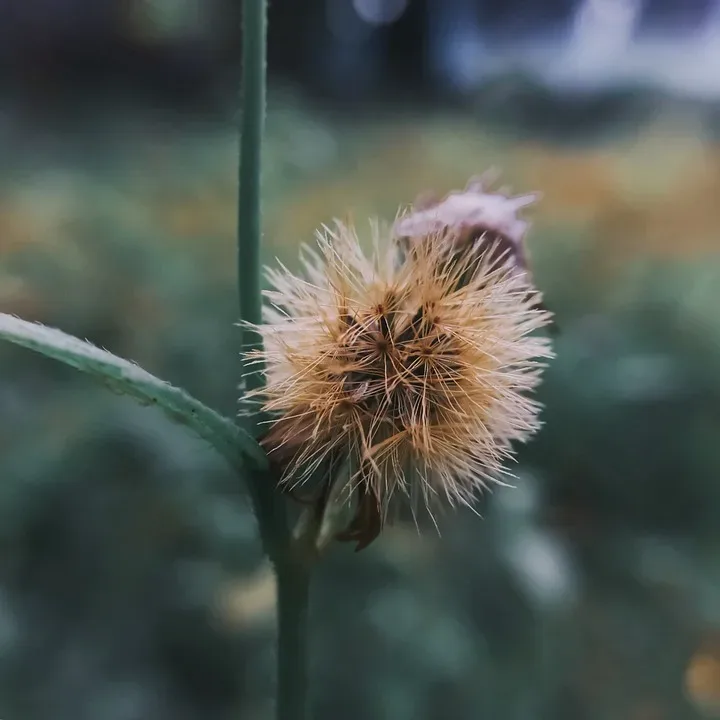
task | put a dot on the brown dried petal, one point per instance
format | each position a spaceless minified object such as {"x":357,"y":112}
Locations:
{"x":367,"y":523}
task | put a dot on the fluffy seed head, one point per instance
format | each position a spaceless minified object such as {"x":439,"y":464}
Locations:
{"x":418,"y":380}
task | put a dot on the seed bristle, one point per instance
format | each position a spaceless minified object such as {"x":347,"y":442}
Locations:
{"x":419,"y":370}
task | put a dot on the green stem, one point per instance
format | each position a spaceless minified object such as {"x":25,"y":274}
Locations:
{"x":254,"y":41}
{"x":293,"y":582}
{"x":268,"y":507}
{"x":293,"y":578}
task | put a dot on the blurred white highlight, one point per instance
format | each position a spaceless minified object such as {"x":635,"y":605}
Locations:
{"x":380,"y":12}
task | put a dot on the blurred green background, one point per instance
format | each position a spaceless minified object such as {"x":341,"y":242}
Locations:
{"x":131,"y":580}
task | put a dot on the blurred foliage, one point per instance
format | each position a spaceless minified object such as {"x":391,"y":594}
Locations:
{"x":131,"y":580}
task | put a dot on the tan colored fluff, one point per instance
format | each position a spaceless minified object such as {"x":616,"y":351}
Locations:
{"x":420,"y":380}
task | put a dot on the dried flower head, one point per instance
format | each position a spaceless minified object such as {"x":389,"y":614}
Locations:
{"x":418,"y":381}
{"x":473,"y":220}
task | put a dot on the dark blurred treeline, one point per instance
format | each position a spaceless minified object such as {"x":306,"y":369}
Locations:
{"x":186,"y":52}
{"x":161,"y":51}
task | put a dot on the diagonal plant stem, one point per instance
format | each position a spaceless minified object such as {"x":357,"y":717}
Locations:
{"x":127,"y":378}
{"x":293,"y":577}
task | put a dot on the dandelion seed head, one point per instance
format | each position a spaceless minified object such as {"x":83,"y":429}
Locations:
{"x":420,"y":381}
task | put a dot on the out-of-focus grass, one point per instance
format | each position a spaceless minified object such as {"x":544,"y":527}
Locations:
{"x":129,"y":241}
{"x":652,"y":194}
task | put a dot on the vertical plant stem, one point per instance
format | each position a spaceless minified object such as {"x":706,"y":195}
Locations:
{"x":269,"y":510}
{"x":293,"y":596}
{"x":254,"y":41}
{"x":292,"y":575}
